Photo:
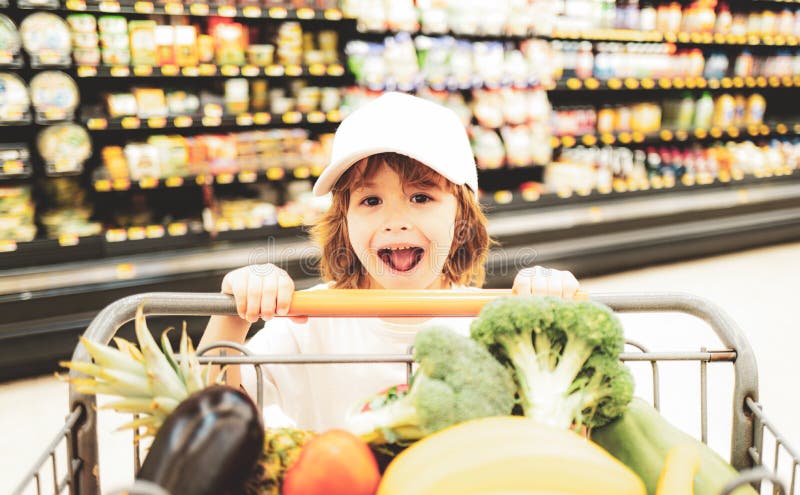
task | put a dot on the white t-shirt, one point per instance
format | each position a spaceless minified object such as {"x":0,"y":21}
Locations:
{"x":318,"y":396}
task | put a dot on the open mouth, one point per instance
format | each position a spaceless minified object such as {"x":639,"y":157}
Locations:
{"x":401,"y":259}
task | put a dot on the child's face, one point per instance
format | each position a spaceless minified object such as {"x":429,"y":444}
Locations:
{"x":401,"y":235}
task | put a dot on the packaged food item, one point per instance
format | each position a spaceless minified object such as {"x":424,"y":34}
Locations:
{"x":142,"y":161}
{"x":150,"y":102}
{"x":64,"y":147}
{"x":142,"y":42}
{"x":165,"y":45}
{"x":704,"y":111}
{"x":46,"y":38}
{"x":121,"y":105}
{"x":114,"y":162}
{"x":186,"y":53}
{"x":54,"y":95}
{"x":237,"y":95}
{"x":14,"y":100}
{"x":756,"y":107}
{"x":114,"y":40}
{"x":182,"y":103}
{"x":725,"y":111}
{"x":10,"y":41}
{"x":231,"y":41}
{"x":205,"y":49}
{"x":260,"y":55}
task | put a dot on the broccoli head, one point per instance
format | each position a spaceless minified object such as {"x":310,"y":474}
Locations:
{"x":457,"y":380}
{"x":564,"y":357}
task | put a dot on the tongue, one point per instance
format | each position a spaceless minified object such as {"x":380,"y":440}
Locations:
{"x":403,"y":259}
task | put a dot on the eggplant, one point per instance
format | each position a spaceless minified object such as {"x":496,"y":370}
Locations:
{"x":208,"y":445}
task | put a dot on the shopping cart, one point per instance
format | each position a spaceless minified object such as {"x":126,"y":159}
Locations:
{"x":752,"y":433}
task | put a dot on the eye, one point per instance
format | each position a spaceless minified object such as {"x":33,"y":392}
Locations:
{"x":421,"y":198}
{"x":371,"y":201}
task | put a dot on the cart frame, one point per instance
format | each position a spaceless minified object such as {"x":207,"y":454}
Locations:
{"x":748,"y":420}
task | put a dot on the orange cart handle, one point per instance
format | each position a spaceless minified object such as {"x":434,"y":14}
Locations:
{"x":365,"y":302}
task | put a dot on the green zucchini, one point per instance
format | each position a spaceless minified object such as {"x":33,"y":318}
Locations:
{"x":641,"y":439}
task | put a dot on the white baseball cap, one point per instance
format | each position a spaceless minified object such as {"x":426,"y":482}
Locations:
{"x":408,"y":125}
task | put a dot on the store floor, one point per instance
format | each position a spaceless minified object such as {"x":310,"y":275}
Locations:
{"x":758,"y":289}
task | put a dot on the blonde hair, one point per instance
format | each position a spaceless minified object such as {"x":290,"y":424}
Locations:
{"x":339,"y":263}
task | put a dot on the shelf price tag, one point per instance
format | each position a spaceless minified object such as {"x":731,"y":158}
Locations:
{"x":750,"y":81}
{"x":631,"y":83}
{"x":678,"y":83}
{"x":13,"y":167}
{"x":665,"y":83}
{"x":148,"y":182}
{"x":244,"y":119}
{"x":120,"y":71}
{"x":316,"y":170}
{"x":292,"y":117}
{"x":684,"y":37}
{"x":208,"y":69}
{"x":251,"y":11}
{"x":102,"y":185}
{"x":700,"y":133}
{"x":174,"y":181}
{"x":302,"y":173}
{"x":136,"y":233}
{"x":624,"y":138}
{"x":724,"y":176}
{"x":738,"y":82}
{"x":589,"y":139}
{"x":226,"y":11}
{"x":787,"y":81}
{"x":591,"y":83}
{"x":294,"y":70}
{"x":116,"y":235}
{"x":154,"y":231}
{"x":608,"y":139}
{"x":250,"y":71}
{"x":637,"y":137}
{"x":211,"y":121}
{"x":568,"y":141}
{"x":156,"y":122}
{"x":555,"y":142}
{"x":316,"y":117}
{"x":614,"y":83}
{"x":225,"y":179}
{"x":774,"y":82}
{"x":190,"y":71}
{"x":121,"y":184}
{"x":229,"y":70}
{"x":713,"y":83}
{"x":716,"y":132}
{"x":198,"y":8}
{"x":765,"y":130}
{"x":8,"y":245}
{"x":183,"y":121}
{"x":733,"y":132}
{"x":333,"y":14}
{"x":247,"y":177}
{"x":177,"y":229}
{"x":574,"y":83}
{"x":781,"y":129}
{"x":142,"y":7}
{"x":681,"y":135}
{"x":170,"y":70}
{"x":761,"y":82}
{"x":726,"y":82}
{"x":142,"y":70}
{"x":334,"y":116}
{"x":202,"y":180}
{"x":109,"y":6}
{"x":97,"y":123}
{"x":262,"y":118}
{"x":503,"y":197}
{"x":65,"y":240}
{"x":305,"y":13}
{"x":87,"y":71}
{"x":275,"y":173}
{"x":335,"y":70}
{"x":278,"y":13}
{"x":648,"y":83}
{"x":76,"y":5}
{"x":130,"y":123}
{"x":316,"y":69}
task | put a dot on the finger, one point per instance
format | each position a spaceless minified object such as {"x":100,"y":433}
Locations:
{"x":253,"y":297}
{"x":285,"y":292}
{"x":522,"y":284}
{"x":238,"y":287}
{"x":269,"y":289}
{"x":299,"y":319}
{"x":539,"y":282}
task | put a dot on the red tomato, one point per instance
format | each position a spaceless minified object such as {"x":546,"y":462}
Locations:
{"x":333,"y":463}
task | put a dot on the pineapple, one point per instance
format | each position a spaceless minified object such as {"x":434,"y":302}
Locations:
{"x":281,"y":448}
{"x":151,"y":382}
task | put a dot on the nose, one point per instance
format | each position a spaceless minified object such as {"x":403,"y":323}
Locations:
{"x":396,"y":221}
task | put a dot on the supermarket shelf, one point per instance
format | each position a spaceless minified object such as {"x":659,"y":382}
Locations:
{"x":245,"y":177}
{"x":620,"y":35}
{"x":248,"y":119}
{"x":678,"y":135}
{"x":203,"y":9}
{"x":211,"y":70}
{"x":631,"y":83}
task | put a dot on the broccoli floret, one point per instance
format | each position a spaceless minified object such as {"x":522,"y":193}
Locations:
{"x":457,"y":380}
{"x":564,"y":357}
